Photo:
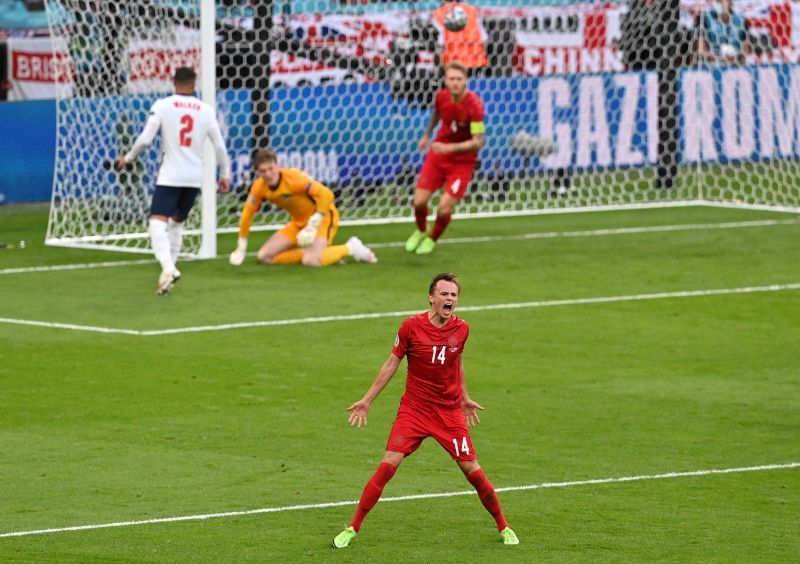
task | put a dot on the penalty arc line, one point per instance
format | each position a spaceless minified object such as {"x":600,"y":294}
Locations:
{"x":388,"y":314}
{"x":544,"y":485}
{"x":457,"y":241}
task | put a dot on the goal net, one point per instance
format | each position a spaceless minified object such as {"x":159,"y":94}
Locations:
{"x":589,"y":105}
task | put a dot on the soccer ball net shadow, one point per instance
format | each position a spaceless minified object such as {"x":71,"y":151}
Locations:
{"x":588,"y":105}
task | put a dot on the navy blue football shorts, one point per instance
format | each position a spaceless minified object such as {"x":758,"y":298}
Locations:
{"x":173,"y":201}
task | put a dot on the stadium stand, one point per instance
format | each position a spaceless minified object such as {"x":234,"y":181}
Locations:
{"x":20,"y":14}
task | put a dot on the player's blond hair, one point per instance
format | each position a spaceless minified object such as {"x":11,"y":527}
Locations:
{"x":456,"y":65}
{"x":446,"y":276}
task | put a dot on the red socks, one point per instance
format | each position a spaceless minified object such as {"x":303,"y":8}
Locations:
{"x":442,"y":220}
{"x":385,"y":472}
{"x":421,"y":216}
{"x":488,"y":497}
{"x":373,"y":490}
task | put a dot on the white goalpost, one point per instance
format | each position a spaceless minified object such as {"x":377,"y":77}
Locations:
{"x":208,"y":200}
{"x":589,"y":106}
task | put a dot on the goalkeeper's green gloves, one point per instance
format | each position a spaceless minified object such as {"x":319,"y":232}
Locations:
{"x":237,"y":256}
{"x":309,"y":232}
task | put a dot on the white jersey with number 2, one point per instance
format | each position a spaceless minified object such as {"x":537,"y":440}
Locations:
{"x":185,"y":122}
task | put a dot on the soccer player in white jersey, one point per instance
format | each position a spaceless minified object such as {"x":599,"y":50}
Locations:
{"x":185,"y":122}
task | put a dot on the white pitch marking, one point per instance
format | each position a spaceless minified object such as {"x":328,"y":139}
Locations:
{"x":78,"y":266}
{"x":545,"y":485}
{"x":459,"y":240}
{"x":385,"y":314}
{"x":71,"y":326}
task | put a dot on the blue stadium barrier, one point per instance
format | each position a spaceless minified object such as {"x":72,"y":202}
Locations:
{"x":27,"y":146}
{"x":352,"y":133}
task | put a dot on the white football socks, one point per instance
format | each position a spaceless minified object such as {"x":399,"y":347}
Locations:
{"x":175,"y":232}
{"x":161,"y":244}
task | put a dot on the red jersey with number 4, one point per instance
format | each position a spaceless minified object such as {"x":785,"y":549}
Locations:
{"x":434,"y":358}
{"x":456,"y":118}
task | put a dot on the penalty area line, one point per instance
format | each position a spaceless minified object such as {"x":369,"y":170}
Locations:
{"x":388,"y":314}
{"x":544,"y":485}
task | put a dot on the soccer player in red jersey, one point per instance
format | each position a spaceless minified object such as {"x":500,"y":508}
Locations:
{"x":452,"y":157}
{"x":436,"y":403}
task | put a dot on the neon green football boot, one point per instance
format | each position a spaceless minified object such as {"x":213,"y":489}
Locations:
{"x":343,"y":539}
{"x":413,"y":242}
{"x":426,"y":247}
{"x":508,"y":536}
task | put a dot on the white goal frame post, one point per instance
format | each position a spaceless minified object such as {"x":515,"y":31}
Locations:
{"x":585,"y":111}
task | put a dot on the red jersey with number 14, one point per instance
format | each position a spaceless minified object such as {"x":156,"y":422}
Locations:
{"x":456,"y":118}
{"x":434,"y":358}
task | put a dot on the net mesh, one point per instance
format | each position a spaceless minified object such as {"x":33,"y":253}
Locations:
{"x":588,"y":104}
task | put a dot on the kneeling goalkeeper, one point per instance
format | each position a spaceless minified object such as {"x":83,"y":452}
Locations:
{"x":307,"y":238}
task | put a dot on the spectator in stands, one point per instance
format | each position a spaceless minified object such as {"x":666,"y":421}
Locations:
{"x":16,"y":14}
{"x":723,"y":35}
{"x":98,"y":53}
{"x":467,"y":46}
{"x":653,"y":39}
{"x":5,"y":85}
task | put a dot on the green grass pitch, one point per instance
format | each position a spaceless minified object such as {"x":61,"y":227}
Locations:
{"x":99,"y":428}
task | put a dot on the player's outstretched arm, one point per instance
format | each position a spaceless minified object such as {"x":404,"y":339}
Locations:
{"x":358,"y":411}
{"x":468,"y":406}
{"x":143,"y":140}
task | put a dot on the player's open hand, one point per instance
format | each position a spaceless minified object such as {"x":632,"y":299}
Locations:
{"x":470,"y":408}
{"x":423,"y":143}
{"x":224,"y":186}
{"x":358,"y":413}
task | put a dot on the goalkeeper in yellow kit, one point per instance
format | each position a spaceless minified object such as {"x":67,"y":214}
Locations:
{"x":314,"y":221}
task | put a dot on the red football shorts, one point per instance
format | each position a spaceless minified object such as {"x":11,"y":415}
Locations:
{"x":439,"y":170}
{"x":416,"y":421}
